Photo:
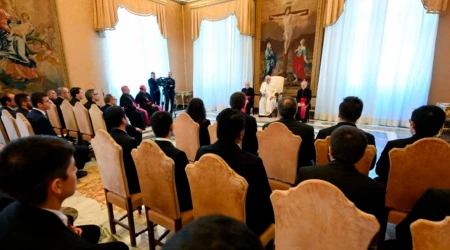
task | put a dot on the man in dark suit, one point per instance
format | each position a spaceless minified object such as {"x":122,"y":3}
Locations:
{"x":250,"y":95}
{"x":77,"y":94}
{"x":116,"y":117}
{"x":23,"y":102}
{"x":155,"y":93}
{"x":137,"y":115}
{"x":63,"y":94}
{"x":230,"y":130}
{"x":350,"y":111}
{"x":8,"y":104}
{"x":162,"y":125}
{"x":287,"y":107}
{"x":169,"y":92}
{"x":92,"y":97}
{"x":425,"y":121}
{"x":110,"y":100}
{"x":249,"y":141}
{"x":41,"y":126}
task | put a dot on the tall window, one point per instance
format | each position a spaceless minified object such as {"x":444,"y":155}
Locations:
{"x":222,"y":62}
{"x":133,"y":50}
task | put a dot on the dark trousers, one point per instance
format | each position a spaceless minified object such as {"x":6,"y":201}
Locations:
{"x":81,"y":156}
{"x":169,"y":97}
{"x":248,"y":107}
{"x":156,"y":97}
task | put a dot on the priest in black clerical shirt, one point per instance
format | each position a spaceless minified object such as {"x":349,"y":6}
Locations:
{"x":250,"y":96}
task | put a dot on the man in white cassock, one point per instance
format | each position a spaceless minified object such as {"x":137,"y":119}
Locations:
{"x":268,"y":102}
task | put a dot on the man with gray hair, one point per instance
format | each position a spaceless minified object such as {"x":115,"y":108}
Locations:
{"x":63,"y":94}
{"x":287,"y":108}
{"x":92,"y":96}
{"x":268,"y":102}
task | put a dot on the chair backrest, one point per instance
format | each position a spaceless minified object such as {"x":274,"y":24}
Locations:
{"x":216,"y":188}
{"x":156,"y":173}
{"x":24,"y":126}
{"x":317,"y":215}
{"x":10,"y":125}
{"x":416,"y":168}
{"x":212,"y":129}
{"x":53,"y":116}
{"x":83,"y":119}
{"x":3,"y":135}
{"x":69,"y":116}
{"x":110,"y":163}
{"x":431,"y":235}
{"x":97,"y":118}
{"x":278,"y":149}
{"x":187,"y":135}
{"x":322,"y":146}
{"x":278,"y":83}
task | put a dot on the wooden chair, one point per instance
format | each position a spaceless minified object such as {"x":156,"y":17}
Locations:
{"x":3,"y":135}
{"x":110,"y":163}
{"x":413,"y":170}
{"x":24,"y":126}
{"x":83,"y":121}
{"x":97,"y":118}
{"x":53,"y":116}
{"x":363,"y":165}
{"x":212,"y":129}
{"x":156,"y":174}
{"x":10,"y":125}
{"x":227,"y":198}
{"x":69,"y":119}
{"x":187,"y":136}
{"x":278,"y":148}
{"x":431,"y":235}
{"x":317,"y":215}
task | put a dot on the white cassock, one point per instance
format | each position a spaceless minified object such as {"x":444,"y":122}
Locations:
{"x":266,"y":106}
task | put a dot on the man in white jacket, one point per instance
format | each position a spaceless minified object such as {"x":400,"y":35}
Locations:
{"x":268,"y":102}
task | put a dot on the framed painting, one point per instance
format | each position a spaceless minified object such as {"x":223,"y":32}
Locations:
{"x":289,"y":38}
{"x":31,"y":51}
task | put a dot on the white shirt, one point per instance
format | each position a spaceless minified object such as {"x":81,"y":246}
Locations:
{"x":42,"y":111}
{"x":58,"y":213}
{"x":163,"y":139}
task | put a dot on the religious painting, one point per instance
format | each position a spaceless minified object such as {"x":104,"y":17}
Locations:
{"x":289,"y":42}
{"x":31,"y":52}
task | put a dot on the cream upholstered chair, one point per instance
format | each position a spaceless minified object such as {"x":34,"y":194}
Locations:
{"x":431,"y":235}
{"x":53,"y":116}
{"x":363,"y":165}
{"x":24,"y":126}
{"x":212,"y":129}
{"x":278,"y":149}
{"x":187,"y":136}
{"x":217,"y":189}
{"x":278,"y":82}
{"x":156,"y":174}
{"x":97,"y":118}
{"x":317,"y":215}
{"x":69,"y":119}
{"x":413,"y":170}
{"x":3,"y":135}
{"x":10,"y":125}
{"x":110,"y":163}
{"x":83,"y":121}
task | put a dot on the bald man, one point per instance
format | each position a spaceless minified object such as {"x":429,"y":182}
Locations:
{"x":250,"y":96}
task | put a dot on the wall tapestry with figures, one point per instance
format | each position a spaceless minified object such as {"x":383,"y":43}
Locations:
{"x":31,"y":52}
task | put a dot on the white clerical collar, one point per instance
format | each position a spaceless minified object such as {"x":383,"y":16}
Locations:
{"x":60,"y":215}
{"x":163,"y":139}
{"x":42,"y":111}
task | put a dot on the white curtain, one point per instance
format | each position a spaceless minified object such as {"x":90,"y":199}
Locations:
{"x":133,"y":50}
{"x":222,"y":62}
{"x":381,"y":51}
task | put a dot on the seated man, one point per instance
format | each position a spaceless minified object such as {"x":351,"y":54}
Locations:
{"x":304,"y":96}
{"x":8,"y":104}
{"x":425,"y":121}
{"x":51,"y":94}
{"x":129,"y":105}
{"x":268,"y":101}
{"x":230,"y":130}
{"x":77,"y":94}
{"x":92,"y":96}
{"x":249,"y":96}
{"x":162,"y":125}
{"x":23,"y":102}
{"x":350,"y":111}
{"x":287,"y":107}
{"x":249,"y":141}
{"x":39,"y":172}
{"x":41,"y":126}
{"x":63,"y":94}
{"x":116,"y":117}
{"x":144,"y":100}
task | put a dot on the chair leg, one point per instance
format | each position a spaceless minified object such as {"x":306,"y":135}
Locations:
{"x":131,"y":223}
{"x":109,"y":207}
{"x":139,"y":209}
{"x":151,"y":232}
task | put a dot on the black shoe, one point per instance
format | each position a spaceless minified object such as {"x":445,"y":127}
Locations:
{"x":81,"y":174}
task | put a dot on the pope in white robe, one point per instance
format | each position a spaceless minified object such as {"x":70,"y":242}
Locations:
{"x":267,"y":103}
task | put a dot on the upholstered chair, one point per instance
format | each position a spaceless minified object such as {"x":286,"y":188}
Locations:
{"x":3,"y":135}
{"x":212,"y":129}
{"x":83,"y":121}
{"x":10,"y":125}
{"x":24,"y":126}
{"x":187,"y":135}
{"x":97,"y":118}
{"x":431,"y":235}
{"x":53,"y":116}
{"x":69,"y":119}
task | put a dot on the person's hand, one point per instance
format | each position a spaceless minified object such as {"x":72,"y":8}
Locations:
{"x":75,"y":230}
{"x":139,"y":130}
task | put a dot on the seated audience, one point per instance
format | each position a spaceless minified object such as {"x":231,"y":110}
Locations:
{"x":110,"y":100}
{"x":249,"y":141}
{"x":63,"y":94}
{"x":250,"y":96}
{"x":23,"y":102}
{"x":287,"y":107}
{"x":425,"y":121}
{"x":196,"y":110}
{"x":51,"y":94}
{"x":144,"y":100}
{"x":162,"y":125}
{"x":39,"y":172}
{"x":350,"y":111}
{"x":8,"y":104}
{"x":230,"y":130}
{"x":77,"y":95}
{"x":116,"y":117}
{"x":92,"y":97}
{"x":216,"y":232}
{"x":129,"y":105}
{"x":41,"y":126}
{"x":303,"y":99}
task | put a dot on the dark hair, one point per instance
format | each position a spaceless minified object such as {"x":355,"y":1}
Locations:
{"x":37,"y":98}
{"x":108,"y":98}
{"x":348,"y":144}
{"x":20,"y":98}
{"x":351,"y":108}
{"x":89,"y":93}
{"x":28,"y":165}
{"x":152,"y":73}
{"x":216,"y":232}
{"x":196,"y":110}
{"x":287,"y":106}
{"x":113,"y":116}
{"x":161,"y":122}
{"x":74,"y":91}
{"x":230,"y":123}
{"x":5,"y":98}
{"x":428,"y":120}
{"x":48,"y":90}
{"x":237,"y":100}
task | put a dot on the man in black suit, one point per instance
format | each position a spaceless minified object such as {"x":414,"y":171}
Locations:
{"x":250,"y":95}
{"x":63,"y":94}
{"x":287,"y":107}
{"x":425,"y":121}
{"x":41,"y":126}
{"x":39,"y":172}
{"x":23,"y":102}
{"x":138,"y":117}
{"x":162,"y":125}
{"x":144,"y":100}
{"x":116,"y":117}
{"x":230,"y":130}
{"x":249,"y":141}
{"x":110,"y":100}
{"x":155,"y":93}
{"x":169,"y":92}
{"x":350,"y":111}
{"x":77,"y":94}
{"x":92,"y":97}
{"x":8,"y":104}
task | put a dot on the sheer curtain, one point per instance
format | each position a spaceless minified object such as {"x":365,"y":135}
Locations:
{"x":381,"y":51}
{"x":133,"y":50}
{"x":222,"y":62}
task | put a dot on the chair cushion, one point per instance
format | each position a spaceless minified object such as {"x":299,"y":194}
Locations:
{"x":136,"y":200}
{"x":396,"y":216}
{"x":278,"y":185}
{"x":170,"y":223}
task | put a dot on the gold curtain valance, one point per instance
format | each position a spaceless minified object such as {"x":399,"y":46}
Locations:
{"x":435,"y":6}
{"x":243,"y":9}
{"x":106,"y":18}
